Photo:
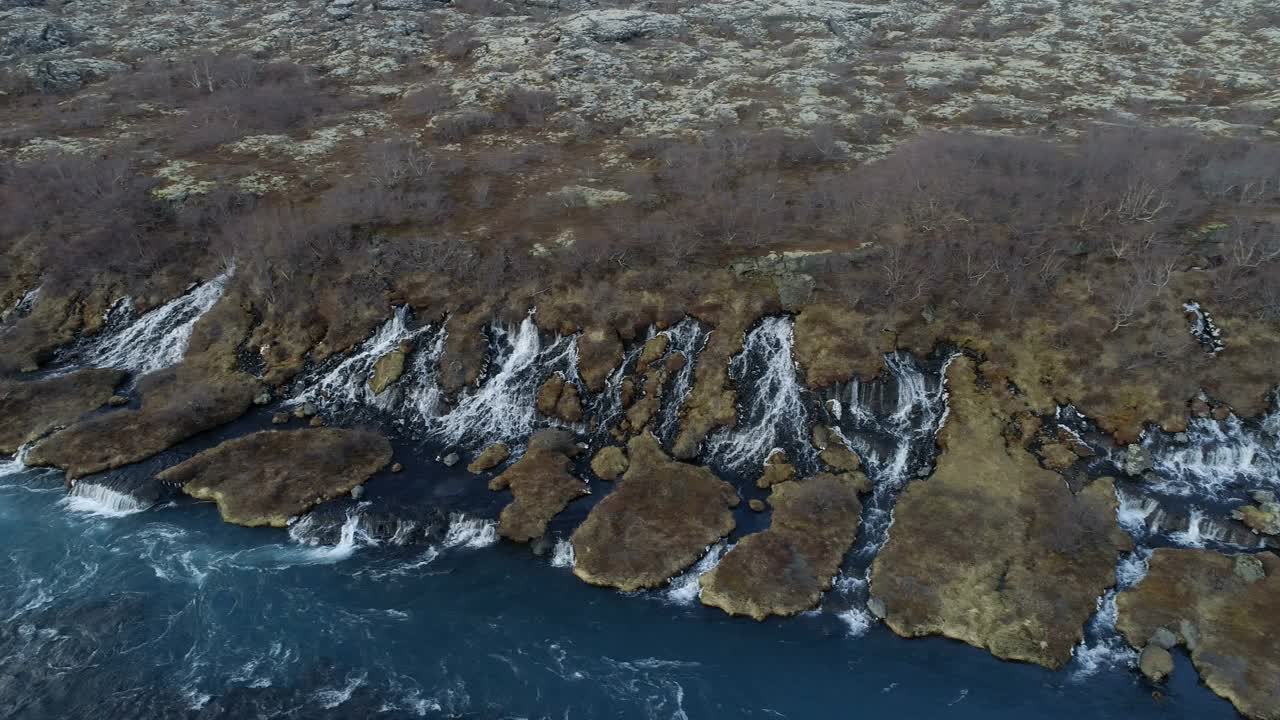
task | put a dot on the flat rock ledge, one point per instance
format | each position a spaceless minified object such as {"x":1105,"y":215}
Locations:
{"x":785,"y":569}
{"x":33,"y":409}
{"x":993,"y":549}
{"x":270,"y":476}
{"x":1223,"y":609}
{"x":177,"y":403}
{"x":657,"y":522}
{"x":541,"y":484}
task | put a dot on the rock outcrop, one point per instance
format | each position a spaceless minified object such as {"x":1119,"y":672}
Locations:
{"x":541,"y":484}
{"x":658,"y":521}
{"x":177,"y":403}
{"x":33,"y":409}
{"x":1263,"y":517}
{"x":266,"y":478}
{"x":560,"y":399}
{"x":776,"y":470}
{"x":994,"y":550}
{"x":490,"y":458}
{"x":1226,"y":618}
{"x":785,"y":569}
{"x":609,"y":463}
{"x":388,"y":369}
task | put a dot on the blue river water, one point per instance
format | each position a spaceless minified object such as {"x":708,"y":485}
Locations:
{"x":168,"y":612}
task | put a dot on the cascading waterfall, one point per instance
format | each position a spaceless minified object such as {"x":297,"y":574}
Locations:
{"x":1103,"y":647}
{"x":1203,"y":329}
{"x":23,"y":306}
{"x":345,"y":385}
{"x":773,"y":407}
{"x":503,"y":407}
{"x":688,"y":337}
{"x":684,"y":588}
{"x":92,"y":498}
{"x":155,"y":340}
{"x":606,"y":407}
{"x":892,"y":423}
{"x":16,"y":464}
{"x":1220,"y":459}
{"x":469,"y":532}
{"x":563,"y":556}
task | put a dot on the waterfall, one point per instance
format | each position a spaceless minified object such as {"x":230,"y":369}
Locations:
{"x":1102,"y":646}
{"x":1138,"y":514}
{"x":23,"y":306}
{"x":688,"y":337}
{"x":563,"y":556}
{"x":345,"y":385}
{"x":1203,"y":329}
{"x":469,"y":532}
{"x":156,"y":340}
{"x":892,"y":423}
{"x":772,"y":404}
{"x":503,"y":406}
{"x":1219,"y":460}
{"x":607,"y":406}
{"x":91,"y":498}
{"x":685,"y":588}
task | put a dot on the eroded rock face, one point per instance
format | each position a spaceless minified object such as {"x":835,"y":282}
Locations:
{"x":541,"y":483}
{"x":270,"y":476}
{"x":993,"y":549}
{"x":177,"y":403}
{"x":657,"y":522}
{"x":785,"y":569}
{"x":32,"y":409}
{"x":1228,"y":622}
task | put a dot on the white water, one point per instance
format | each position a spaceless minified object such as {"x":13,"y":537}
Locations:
{"x":16,"y":464}
{"x":24,"y":304}
{"x":503,"y":407}
{"x":688,"y":338}
{"x":772,"y":411}
{"x":684,"y":589}
{"x":347,"y":383}
{"x":309,"y":552}
{"x":563,"y":556}
{"x":159,"y":338}
{"x":1203,"y":329}
{"x":1103,"y":646}
{"x":101,"y":501}
{"x":1219,"y":459}
{"x":471,"y":533}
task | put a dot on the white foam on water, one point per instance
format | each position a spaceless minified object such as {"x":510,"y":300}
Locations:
{"x":350,"y":539}
{"x":1218,"y":458}
{"x":469,"y":532}
{"x":1135,"y":512}
{"x":159,"y":338}
{"x":688,"y":338}
{"x":1201,"y":529}
{"x":1203,"y":329}
{"x":331,"y":698}
{"x":503,"y":407}
{"x":24,"y":304}
{"x":347,"y":383}
{"x":857,"y":621}
{"x":563,"y":556}
{"x":90,"y":498}
{"x":771,"y":408}
{"x":685,"y":588}
{"x":17,"y":464}
{"x":1103,"y":646}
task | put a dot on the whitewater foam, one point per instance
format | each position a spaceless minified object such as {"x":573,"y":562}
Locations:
{"x":562,"y":556}
{"x":157,"y":339}
{"x":90,"y":498}
{"x":772,"y":409}
{"x":685,"y":588}
{"x":469,"y":532}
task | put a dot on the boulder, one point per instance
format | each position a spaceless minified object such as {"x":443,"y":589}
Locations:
{"x":993,"y":549}
{"x":387,"y":370}
{"x":1137,"y":460}
{"x":33,"y":409}
{"x":657,"y":522}
{"x":756,"y":505}
{"x":785,"y":569}
{"x":270,"y":476}
{"x":776,"y":470}
{"x":609,"y":463}
{"x":490,"y":458}
{"x":450,"y":459}
{"x":541,"y":485}
{"x":1155,"y":663}
{"x":1228,"y":622}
